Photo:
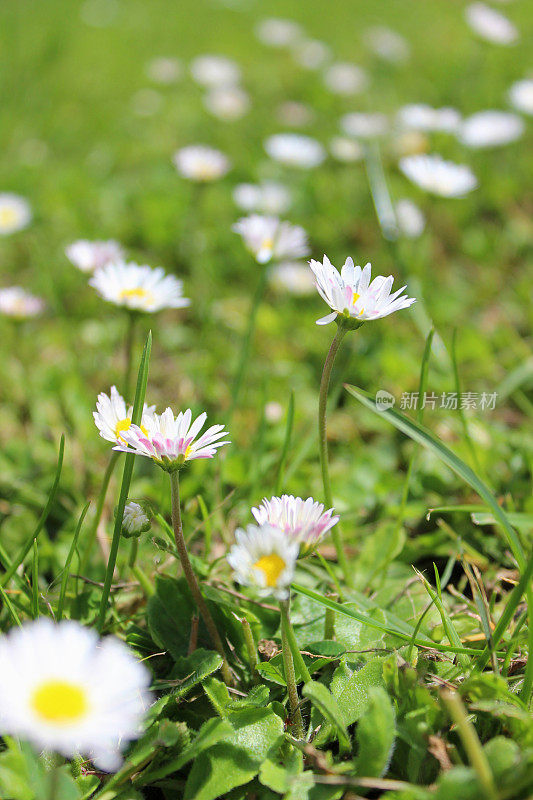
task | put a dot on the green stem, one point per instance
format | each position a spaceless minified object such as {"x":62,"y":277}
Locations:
{"x":525,"y":692}
{"x":250,"y":648}
{"x":247,"y":341}
{"x":91,"y":537}
{"x":190,"y":577}
{"x":323,"y":445}
{"x":290,"y":676}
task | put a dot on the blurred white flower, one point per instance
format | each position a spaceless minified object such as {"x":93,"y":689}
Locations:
{"x":227,"y":102}
{"x":521,"y":95}
{"x":387,"y":44}
{"x":490,"y":24}
{"x":433,"y":174}
{"x":311,"y":53}
{"x":346,"y":150}
{"x":491,"y":129}
{"x":135,"y":520}
{"x":263,"y":557}
{"x":112,"y":417}
{"x":15,"y":213}
{"x":303,"y":521}
{"x":138,"y":288}
{"x":266,"y":198}
{"x":66,"y":691}
{"x":345,"y":78}
{"x":364,"y":126}
{"x":172,"y":441}
{"x":269,"y":238}
{"x":410,"y":219}
{"x":89,"y":256}
{"x":197,"y":162}
{"x":17,"y":303}
{"x":352,"y":295}
{"x":215,"y":70}
{"x":146,"y":102}
{"x":421,"y":117}
{"x":294,"y":114}
{"x":273,"y":412}
{"x":295,"y":150}
{"x":163,"y":70}
{"x":276,"y":32}
{"x":293,"y":277}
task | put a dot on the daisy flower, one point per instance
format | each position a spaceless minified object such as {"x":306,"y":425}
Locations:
{"x":15,"y":213}
{"x":163,"y":69}
{"x":275,"y":32}
{"x":214,"y":70}
{"x":363,"y":125}
{"x":264,"y":557}
{"x":521,"y":96}
{"x":227,"y":102}
{"x":65,"y":690}
{"x":388,"y":44}
{"x":112,"y":417}
{"x":353,"y":296}
{"x":294,"y":114}
{"x":345,"y":79}
{"x":135,"y":520}
{"x":197,"y":162}
{"x":345,"y":150}
{"x":491,"y":129}
{"x":17,"y":303}
{"x":433,"y":174}
{"x":311,"y":53}
{"x":268,"y":238}
{"x":266,"y":198}
{"x":139,"y":288}
{"x":89,"y":256}
{"x":295,"y":150}
{"x":421,"y":117}
{"x":490,"y":24}
{"x":302,"y":521}
{"x":293,"y":277}
{"x":172,"y":441}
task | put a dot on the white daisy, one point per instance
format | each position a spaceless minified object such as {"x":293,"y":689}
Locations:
{"x":346,"y":150}
{"x":215,"y":70}
{"x":302,"y":521}
{"x":171,"y":441}
{"x":15,"y":213}
{"x":64,"y":690}
{"x":345,"y":79}
{"x":521,"y":96}
{"x":311,"y":53}
{"x":197,"y":162}
{"x":264,"y":557}
{"x":293,"y":277}
{"x":295,"y":150}
{"x":388,"y":44}
{"x":135,"y":520}
{"x":363,"y":125}
{"x":433,"y":174}
{"x":163,"y":70}
{"x":276,"y":32}
{"x":17,"y":303}
{"x":421,"y":117}
{"x":266,"y":198}
{"x":352,"y":295}
{"x":268,"y":238}
{"x":112,"y":417}
{"x":227,"y":102}
{"x":410,"y":219}
{"x":139,"y":288}
{"x":294,"y":114}
{"x":89,"y":256}
{"x":491,"y":129}
{"x":490,"y":24}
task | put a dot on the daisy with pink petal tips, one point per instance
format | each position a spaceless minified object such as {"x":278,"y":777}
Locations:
{"x":303,"y":521}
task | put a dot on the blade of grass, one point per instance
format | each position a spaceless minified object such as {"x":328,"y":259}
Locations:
{"x":140,"y":392}
{"x":66,"y":570}
{"x":451,"y":633}
{"x":35,"y":582}
{"x":286,"y":444}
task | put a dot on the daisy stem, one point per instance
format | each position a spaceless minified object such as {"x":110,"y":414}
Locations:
{"x":190,"y":577}
{"x":128,"y":352}
{"x":288,"y":666}
{"x":99,"y":510}
{"x":247,"y":341}
{"x":323,"y":444}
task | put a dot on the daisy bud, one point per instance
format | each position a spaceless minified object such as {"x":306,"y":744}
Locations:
{"x":135,"y":521}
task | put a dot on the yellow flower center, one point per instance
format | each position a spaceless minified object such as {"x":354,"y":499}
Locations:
{"x":267,"y":244}
{"x":136,"y":294}
{"x":7,"y":216}
{"x":355,"y":297}
{"x":60,"y":702}
{"x":123,"y":425}
{"x":271,"y":566}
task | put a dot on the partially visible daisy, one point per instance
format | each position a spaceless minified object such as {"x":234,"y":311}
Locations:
{"x":17,"y":303}
{"x":112,"y":417}
{"x":139,"y":288}
{"x":215,"y":70}
{"x":163,"y":69}
{"x":491,"y":129}
{"x":421,"y":117}
{"x":276,"y":32}
{"x":410,"y":219}
{"x":294,"y":114}
{"x":345,"y":149}
{"x":311,"y":53}
{"x":351,"y":294}
{"x":303,"y":521}
{"x":433,"y":174}
{"x":490,"y":24}
{"x":363,"y":125}
{"x":269,"y":197}
{"x":172,"y":441}
{"x":387,"y":44}
{"x":293,"y":277}
{"x":197,"y":162}
{"x":521,"y":95}
{"x":89,"y":256}
{"x":295,"y":150}
{"x":227,"y":102}
{"x":345,"y":79}
{"x":15,"y":213}
{"x":264,"y":557}
{"x":66,"y":691}
{"x":269,"y":237}
{"x":135,"y":520}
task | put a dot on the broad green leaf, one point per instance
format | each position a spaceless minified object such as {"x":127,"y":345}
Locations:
{"x":191,"y":670}
{"x":376,"y":732}
{"x":327,"y":704}
{"x":168,"y":615}
{"x":218,"y":694}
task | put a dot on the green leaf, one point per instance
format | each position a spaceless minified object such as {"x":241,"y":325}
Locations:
{"x":189,"y":671}
{"x":272,"y":672}
{"x":451,"y":633}
{"x":328,"y":706}
{"x":376,"y":732}
{"x":168,"y":615}
{"x":218,"y":695}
